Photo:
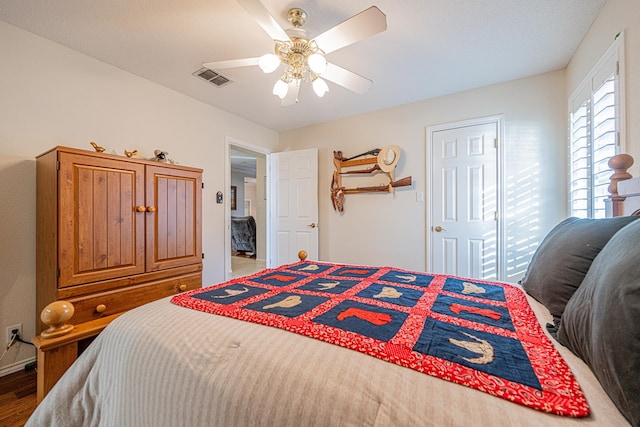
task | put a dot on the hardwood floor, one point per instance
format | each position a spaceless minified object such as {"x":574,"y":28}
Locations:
{"x":17,"y":398}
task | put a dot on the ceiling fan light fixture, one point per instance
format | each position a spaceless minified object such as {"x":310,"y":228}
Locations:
{"x":268,"y":63}
{"x":320,"y":87}
{"x":317,"y":63}
{"x":302,"y":57}
{"x":280,"y":89}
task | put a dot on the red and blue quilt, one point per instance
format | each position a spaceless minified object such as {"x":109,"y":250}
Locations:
{"x":476,"y":333}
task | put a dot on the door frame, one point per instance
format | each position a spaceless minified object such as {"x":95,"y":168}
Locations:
{"x":500,"y":233}
{"x":229,"y":143}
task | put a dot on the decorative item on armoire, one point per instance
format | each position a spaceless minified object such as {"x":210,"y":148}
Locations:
{"x":96,"y":147}
{"x":162,"y":157}
{"x":383,"y":160}
{"x":130,"y":153}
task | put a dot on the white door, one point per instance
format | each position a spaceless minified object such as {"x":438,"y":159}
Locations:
{"x":463,"y":230}
{"x":294,"y":208}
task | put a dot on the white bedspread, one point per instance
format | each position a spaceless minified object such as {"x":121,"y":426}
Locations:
{"x":164,"y":365}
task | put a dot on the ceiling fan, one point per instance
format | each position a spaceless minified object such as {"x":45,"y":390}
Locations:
{"x":303,"y":58}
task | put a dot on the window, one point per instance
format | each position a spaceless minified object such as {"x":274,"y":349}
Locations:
{"x":595,"y":123}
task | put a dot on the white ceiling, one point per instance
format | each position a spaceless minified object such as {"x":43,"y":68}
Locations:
{"x":431,"y":47}
{"x":243,"y":163}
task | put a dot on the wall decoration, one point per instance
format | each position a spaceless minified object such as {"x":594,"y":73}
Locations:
{"x":382,"y":160}
{"x":233,"y":197}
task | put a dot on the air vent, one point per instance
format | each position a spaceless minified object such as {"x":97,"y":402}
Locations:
{"x":212,"y":77}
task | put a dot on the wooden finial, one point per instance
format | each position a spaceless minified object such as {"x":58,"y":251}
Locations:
{"x":302,"y":255}
{"x":55,"y":316}
{"x":619,"y":163}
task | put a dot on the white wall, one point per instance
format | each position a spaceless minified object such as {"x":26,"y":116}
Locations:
{"x":237,"y":179}
{"x":250,"y":195}
{"x":616,"y":16}
{"x":50,"y":96}
{"x":389,"y":229}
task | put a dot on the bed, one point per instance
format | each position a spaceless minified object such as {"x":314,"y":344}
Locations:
{"x":176,"y":362}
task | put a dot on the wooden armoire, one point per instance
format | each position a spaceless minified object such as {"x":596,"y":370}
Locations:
{"x":114,"y":232}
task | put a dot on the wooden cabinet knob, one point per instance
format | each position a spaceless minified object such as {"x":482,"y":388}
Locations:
{"x":151,"y":208}
{"x":101,"y":308}
{"x":182,"y":288}
{"x":141,"y":209}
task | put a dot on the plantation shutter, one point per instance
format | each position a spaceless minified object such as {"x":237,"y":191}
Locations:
{"x":580,"y":156}
{"x":594,"y":138}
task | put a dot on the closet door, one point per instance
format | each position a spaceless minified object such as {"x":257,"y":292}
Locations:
{"x":173,"y":217}
{"x":101,"y":228}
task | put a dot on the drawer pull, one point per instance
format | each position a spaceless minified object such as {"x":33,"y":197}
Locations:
{"x":182,"y":288}
{"x":141,"y":209}
{"x":151,"y":208}
{"x":101,"y":308}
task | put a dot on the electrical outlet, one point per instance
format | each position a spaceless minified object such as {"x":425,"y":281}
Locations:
{"x":10,"y":330}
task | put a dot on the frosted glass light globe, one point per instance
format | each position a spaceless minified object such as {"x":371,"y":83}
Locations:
{"x":280,"y":89}
{"x":320,"y":87}
{"x":268,"y":63}
{"x":317,"y":63}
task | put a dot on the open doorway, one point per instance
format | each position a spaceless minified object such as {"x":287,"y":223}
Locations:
{"x":247,"y":211}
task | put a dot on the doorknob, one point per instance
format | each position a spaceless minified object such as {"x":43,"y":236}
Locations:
{"x":438,"y":229}
{"x":313,"y":225}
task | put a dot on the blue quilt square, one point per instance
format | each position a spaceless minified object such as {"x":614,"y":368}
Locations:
{"x":492,"y":354}
{"x":368,"y":320}
{"x":393,"y":294}
{"x":354,"y":272}
{"x":309,"y":267}
{"x":473,"y":311}
{"x":333,"y":286}
{"x":479,"y":290}
{"x":406,"y":278}
{"x":287,"y":304}
{"x":278,"y":278}
{"x":230,"y":294}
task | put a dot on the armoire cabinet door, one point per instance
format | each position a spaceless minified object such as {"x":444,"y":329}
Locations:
{"x":102,"y":234}
{"x":174,"y":200}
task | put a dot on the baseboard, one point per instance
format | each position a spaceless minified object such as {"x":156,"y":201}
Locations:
{"x":15,"y":367}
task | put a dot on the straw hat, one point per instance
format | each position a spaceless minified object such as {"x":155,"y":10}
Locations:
{"x":388,"y":157}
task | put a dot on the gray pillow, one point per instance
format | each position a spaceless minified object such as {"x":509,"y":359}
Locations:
{"x":601,"y":322}
{"x":564,"y":257}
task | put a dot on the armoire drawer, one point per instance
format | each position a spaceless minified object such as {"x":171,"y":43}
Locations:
{"x":97,"y":305}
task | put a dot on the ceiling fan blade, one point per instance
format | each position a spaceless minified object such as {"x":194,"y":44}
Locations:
{"x":262,"y":16}
{"x":365,"y":24}
{"x":350,"y":80}
{"x":292,"y":94}
{"x":231,"y":63}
